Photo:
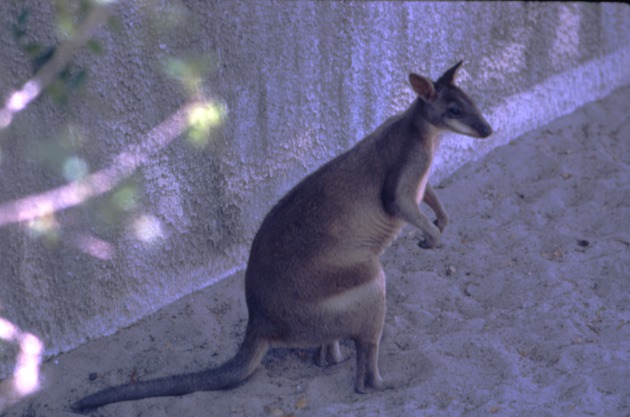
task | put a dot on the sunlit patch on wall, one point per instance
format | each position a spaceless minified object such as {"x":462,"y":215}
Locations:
{"x":147,"y":228}
{"x":92,"y":245}
{"x":566,"y":43}
{"x":189,"y":69}
{"x":75,"y":169}
{"x":509,"y":58}
{"x":18,"y":101}
{"x":5,"y":118}
{"x":202,"y":119}
{"x":25,"y":378}
{"x":46,"y":225}
{"x":125,"y":198}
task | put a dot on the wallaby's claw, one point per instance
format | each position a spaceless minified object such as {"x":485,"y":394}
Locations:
{"x":430,"y":239}
{"x":426,"y":243}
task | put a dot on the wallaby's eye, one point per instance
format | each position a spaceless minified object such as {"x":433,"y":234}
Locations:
{"x":454,"y":112}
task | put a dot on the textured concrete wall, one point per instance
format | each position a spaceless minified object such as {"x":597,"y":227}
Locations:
{"x":301,"y":81}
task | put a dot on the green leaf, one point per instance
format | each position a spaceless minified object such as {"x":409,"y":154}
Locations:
{"x":42,"y":58}
{"x":19,"y":27}
{"x":95,"y":46}
{"x":114,"y":24}
{"x":58,"y":91}
{"x":78,"y":79}
{"x":22,"y":17}
{"x":18,"y":32}
{"x":34,"y":49}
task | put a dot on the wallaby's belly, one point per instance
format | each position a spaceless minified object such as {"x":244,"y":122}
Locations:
{"x":320,"y":279}
{"x":355,"y":300}
{"x":352,"y":311}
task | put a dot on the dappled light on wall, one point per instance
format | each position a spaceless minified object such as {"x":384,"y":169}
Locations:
{"x":75,"y":169}
{"x":202,"y":119}
{"x":45,"y":225}
{"x":18,"y":101}
{"x":566,"y":43}
{"x":147,"y":228}
{"x":94,"y":246}
{"x":25,"y":378}
{"x":508,"y":59}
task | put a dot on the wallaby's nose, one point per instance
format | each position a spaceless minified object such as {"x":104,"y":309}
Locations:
{"x":484,"y":130}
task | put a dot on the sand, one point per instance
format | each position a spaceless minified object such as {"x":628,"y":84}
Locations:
{"x":523,"y":309}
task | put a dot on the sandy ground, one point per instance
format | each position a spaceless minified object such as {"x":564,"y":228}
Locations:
{"x":523,"y":310}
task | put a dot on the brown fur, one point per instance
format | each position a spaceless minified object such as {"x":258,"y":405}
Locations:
{"x":314,"y":275}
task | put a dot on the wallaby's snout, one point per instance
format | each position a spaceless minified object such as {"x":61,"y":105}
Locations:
{"x":483,"y":129}
{"x":470,"y":123}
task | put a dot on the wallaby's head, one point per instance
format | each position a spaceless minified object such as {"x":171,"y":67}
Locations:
{"x":447,"y":107}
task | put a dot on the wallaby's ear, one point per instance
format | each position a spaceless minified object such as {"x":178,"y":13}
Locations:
{"x":422,"y":86}
{"x":449,"y":76}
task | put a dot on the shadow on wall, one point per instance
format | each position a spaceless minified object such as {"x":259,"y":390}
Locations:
{"x":509,"y":56}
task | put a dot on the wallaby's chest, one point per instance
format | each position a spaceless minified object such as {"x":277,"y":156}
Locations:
{"x":422,"y":186}
{"x":422,"y":166}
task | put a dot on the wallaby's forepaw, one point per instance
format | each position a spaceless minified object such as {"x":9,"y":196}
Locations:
{"x":427,"y":242}
{"x":429,"y":238}
{"x":424,"y":243}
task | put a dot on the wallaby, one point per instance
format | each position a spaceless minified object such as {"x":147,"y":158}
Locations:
{"x":314,"y":274}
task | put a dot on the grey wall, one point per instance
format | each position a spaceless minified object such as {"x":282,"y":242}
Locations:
{"x":301,"y":81}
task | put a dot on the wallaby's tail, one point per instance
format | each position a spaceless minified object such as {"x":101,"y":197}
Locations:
{"x":228,"y":375}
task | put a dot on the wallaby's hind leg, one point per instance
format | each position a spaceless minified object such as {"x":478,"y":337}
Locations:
{"x":368,"y":339}
{"x":367,"y":367}
{"x":328,"y":354}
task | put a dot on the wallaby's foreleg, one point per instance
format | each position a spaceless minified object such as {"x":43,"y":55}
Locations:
{"x":402,"y":194}
{"x":408,"y":210}
{"x":433,"y":201}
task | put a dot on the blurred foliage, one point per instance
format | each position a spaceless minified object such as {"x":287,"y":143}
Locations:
{"x":202,"y":119}
{"x":68,"y":14}
{"x":118,"y":207}
{"x":190,"y":71}
{"x":69,"y":154}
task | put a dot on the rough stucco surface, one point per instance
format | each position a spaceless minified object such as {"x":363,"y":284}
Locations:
{"x":301,"y":82}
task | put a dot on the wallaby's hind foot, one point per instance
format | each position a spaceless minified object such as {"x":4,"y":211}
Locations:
{"x":328,"y":354}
